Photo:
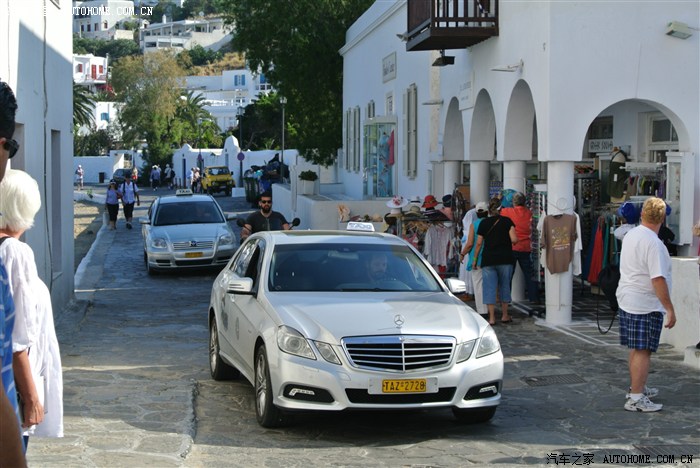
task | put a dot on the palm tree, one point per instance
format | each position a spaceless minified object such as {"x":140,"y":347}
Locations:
{"x":83,"y":105}
{"x":191,"y":110}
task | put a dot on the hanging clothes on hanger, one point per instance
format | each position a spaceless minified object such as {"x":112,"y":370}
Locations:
{"x":559,"y":237}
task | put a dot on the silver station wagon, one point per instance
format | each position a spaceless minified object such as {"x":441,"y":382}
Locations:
{"x":186,"y":231}
{"x":332,"y":320}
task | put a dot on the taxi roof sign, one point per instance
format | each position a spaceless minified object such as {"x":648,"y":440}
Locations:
{"x":183,"y":191}
{"x":358,"y":226}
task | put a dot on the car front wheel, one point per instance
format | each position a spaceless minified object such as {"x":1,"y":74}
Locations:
{"x":267,"y":414}
{"x":217,"y":367}
{"x":474,"y":415}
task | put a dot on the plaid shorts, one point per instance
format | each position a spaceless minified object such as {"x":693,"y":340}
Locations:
{"x":641,"y":331}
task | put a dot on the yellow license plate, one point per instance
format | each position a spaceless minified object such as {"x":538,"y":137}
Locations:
{"x":404,"y":386}
{"x":193,"y":254}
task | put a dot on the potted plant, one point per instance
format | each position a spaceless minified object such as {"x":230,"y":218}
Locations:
{"x":308,"y":181}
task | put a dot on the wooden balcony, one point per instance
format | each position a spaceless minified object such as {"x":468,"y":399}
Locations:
{"x":450,"y":24}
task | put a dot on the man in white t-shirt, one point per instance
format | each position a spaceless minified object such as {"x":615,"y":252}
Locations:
{"x":644,"y":298}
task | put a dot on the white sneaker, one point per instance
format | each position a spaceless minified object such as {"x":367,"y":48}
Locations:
{"x":644,"y":405}
{"x":649,"y":392}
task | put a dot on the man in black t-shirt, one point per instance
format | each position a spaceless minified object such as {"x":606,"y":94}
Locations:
{"x":265,"y":219}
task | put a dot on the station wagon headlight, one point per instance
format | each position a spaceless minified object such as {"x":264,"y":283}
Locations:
{"x":327,"y":352}
{"x":159,"y":243}
{"x":225,"y":239}
{"x":488,"y":344}
{"x":464,"y":350}
{"x":292,"y":342}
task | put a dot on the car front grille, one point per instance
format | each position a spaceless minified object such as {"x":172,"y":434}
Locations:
{"x":362,"y":396}
{"x":188,"y":245}
{"x":399,"y":353}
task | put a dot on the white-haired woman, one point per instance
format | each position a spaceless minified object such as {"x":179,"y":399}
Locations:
{"x":36,"y":356}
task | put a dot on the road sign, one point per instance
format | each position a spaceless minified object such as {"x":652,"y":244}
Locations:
{"x":241,"y":156}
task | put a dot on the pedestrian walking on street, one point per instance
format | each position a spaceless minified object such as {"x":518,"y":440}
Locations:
{"x":36,"y":356}
{"x":130,"y":194}
{"x":112,"y":204}
{"x":496,"y":236}
{"x":155,"y":178}
{"x":79,"y":176}
{"x":644,"y":297}
{"x":10,"y":440}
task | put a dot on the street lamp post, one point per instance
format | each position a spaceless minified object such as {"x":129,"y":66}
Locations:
{"x":283,"y":101}
{"x":240,"y":111}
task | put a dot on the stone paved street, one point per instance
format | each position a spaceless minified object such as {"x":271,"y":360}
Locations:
{"x":138,"y":391}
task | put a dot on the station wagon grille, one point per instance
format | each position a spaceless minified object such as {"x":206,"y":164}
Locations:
{"x":189,"y":245}
{"x":399,"y":353}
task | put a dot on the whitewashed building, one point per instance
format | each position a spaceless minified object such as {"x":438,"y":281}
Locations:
{"x":101,"y":19}
{"x":43,"y":86}
{"x":90,"y":71}
{"x":555,"y":88}
{"x":210,"y":33}
{"x":225,"y":93}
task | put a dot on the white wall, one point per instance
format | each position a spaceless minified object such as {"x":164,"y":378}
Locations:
{"x":217,"y":157}
{"x":93,"y":165}
{"x":44,"y":93}
{"x":362,"y":82}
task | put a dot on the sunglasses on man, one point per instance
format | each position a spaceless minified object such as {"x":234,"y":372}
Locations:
{"x":266,"y":202}
{"x":11,"y":146}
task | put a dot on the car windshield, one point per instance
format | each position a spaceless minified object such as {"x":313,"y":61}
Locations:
{"x":348,"y":268}
{"x":199,"y":212}
{"x":219,"y":171}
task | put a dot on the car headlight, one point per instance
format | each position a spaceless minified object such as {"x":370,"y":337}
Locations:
{"x":327,"y":352}
{"x":488,"y":344}
{"x":292,"y":342}
{"x":225,"y":239}
{"x":159,"y":243}
{"x":464,"y":350}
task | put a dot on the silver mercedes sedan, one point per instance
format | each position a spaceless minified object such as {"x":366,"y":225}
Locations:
{"x":186,"y":231}
{"x":332,"y":320}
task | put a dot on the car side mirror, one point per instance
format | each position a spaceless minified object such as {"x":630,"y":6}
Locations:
{"x":456,"y":286}
{"x":240,"y":286}
{"x":144,"y":220}
{"x":296,"y":222}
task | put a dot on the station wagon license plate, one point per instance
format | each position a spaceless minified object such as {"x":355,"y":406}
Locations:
{"x":193,"y":254}
{"x":377,"y":387}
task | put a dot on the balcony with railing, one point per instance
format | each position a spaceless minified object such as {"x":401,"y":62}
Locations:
{"x":450,"y":24}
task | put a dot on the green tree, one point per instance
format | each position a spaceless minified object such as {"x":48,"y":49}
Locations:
{"x":116,"y":49}
{"x":94,"y":143}
{"x":192,"y":8}
{"x":296,"y":43}
{"x":167,"y":8}
{"x":196,"y":124}
{"x":83,"y":106}
{"x":149,"y":86}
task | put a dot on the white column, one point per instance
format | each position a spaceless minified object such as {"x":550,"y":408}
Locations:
{"x":514,"y":178}
{"x":559,"y":286}
{"x":514,"y":175}
{"x":478,"y":181}
{"x":452,"y":175}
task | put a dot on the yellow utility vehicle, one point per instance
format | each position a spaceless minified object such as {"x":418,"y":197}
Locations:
{"x":217,"y":179}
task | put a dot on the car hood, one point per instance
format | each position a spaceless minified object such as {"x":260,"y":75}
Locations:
{"x":179,"y":232}
{"x":330,"y":317}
